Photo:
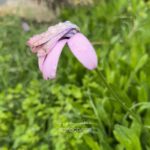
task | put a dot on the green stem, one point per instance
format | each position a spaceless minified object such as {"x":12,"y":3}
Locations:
{"x":115,"y":95}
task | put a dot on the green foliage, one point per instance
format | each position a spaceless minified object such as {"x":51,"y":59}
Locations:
{"x":128,"y":138}
{"x":76,"y":111}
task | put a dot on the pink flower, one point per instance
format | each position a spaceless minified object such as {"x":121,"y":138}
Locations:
{"x":49,"y":45}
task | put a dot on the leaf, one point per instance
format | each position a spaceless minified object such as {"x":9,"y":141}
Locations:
{"x":145,"y":105}
{"x":142,"y":94}
{"x":142,"y":62}
{"x":127,"y":137}
{"x":91,"y":143}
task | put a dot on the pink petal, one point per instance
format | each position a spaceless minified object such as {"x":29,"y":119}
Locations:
{"x":56,"y":30}
{"x":83,"y":51}
{"x":47,"y":47}
{"x":44,"y":48}
{"x":40,"y":62}
{"x":51,"y":61}
{"x":38,"y":39}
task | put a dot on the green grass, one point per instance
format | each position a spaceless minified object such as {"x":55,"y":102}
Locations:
{"x":77,"y":111}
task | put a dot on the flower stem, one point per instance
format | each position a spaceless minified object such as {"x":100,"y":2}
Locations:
{"x":115,"y":95}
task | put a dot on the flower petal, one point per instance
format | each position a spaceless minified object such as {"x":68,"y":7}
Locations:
{"x":47,"y":47}
{"x":51,"y":61}
{"x":44,"y":48}
{"x":38,"y":39}
{"x":40,"y":62}
{"x":83,"y":51}
{"x":57,"y":30}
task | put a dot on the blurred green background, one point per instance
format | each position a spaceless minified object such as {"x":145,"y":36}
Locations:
{"x":76,"y":111}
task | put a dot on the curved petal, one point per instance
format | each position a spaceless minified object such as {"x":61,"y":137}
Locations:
{"x":51,"y":61}
{"x":44,"y":48}
{"x":40,"y":62}
{"x":58,"y":30}
{"x":38,"y":39}
{"x":83,"y":51}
